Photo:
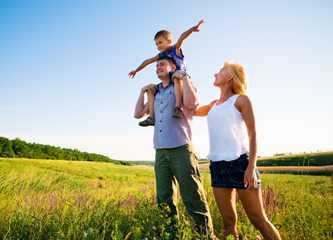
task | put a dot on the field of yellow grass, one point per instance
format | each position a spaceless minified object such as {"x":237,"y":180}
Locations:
{"x":53,"y":199}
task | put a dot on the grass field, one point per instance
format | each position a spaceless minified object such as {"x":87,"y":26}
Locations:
{"x":84,"y":200}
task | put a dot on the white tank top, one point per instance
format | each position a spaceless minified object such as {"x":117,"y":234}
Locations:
{"x":228,"y":137}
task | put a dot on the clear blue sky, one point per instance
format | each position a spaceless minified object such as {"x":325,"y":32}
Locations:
{"x":64,"y":66}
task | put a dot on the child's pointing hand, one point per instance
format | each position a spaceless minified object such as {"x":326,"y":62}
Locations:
{"x":196,"y":28}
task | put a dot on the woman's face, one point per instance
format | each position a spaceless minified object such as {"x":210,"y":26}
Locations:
{"x":223,"y":77}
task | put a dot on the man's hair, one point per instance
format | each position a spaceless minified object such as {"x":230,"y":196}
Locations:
{"x":165,"y":34}
{"x":169,"y":59}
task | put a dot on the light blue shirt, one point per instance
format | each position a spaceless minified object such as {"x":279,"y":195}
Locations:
{"x":169,"y":132}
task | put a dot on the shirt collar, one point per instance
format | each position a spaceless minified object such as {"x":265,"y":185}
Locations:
{"x":160,"y":85}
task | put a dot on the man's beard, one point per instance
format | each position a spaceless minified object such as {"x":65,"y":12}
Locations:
{"x":162,"y":74}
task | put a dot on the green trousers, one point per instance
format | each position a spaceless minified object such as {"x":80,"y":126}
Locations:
{"x":181,"y":164}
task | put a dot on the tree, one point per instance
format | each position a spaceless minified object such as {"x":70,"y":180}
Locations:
{"x":6,"y":148}
{"x":21,"y":148}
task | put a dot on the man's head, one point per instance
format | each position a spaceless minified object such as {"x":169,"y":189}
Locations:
{"x":164,"y":67}
{"x":163,"y":40}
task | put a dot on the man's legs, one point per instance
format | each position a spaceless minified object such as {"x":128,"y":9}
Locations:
{"x":165,"y":183}
{"x":185,"y":167}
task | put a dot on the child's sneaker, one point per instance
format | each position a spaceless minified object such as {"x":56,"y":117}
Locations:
{"x":148,"y":122}
{"x":177,"y":112}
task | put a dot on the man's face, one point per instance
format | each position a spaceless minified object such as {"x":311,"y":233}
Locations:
{"x":163,"y":67}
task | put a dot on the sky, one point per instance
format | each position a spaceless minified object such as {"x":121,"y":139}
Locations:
{"x":64,"y":66}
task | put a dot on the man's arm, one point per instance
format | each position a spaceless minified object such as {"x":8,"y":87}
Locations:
{"x":143,"y":65}
{"x":186,"y":34}
{"x":190,"y":98}
{"x":141,"y":108}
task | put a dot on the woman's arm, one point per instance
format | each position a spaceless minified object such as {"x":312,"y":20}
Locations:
{"x":202,"y":111}
{"x":243,"y":104}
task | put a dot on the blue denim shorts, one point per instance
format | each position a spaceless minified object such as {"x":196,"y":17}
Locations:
{"x":230,"y":174}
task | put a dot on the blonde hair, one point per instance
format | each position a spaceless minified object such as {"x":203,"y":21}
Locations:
{"x":239,"y":78}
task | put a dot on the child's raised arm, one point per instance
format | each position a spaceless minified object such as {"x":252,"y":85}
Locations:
{"x":186,"y":34}
{"x":143,"y":65}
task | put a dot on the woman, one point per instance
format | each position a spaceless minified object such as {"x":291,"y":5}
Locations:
{"x":232,"y":154}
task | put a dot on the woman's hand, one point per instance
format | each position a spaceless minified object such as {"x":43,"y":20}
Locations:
{"x":250,"y":179}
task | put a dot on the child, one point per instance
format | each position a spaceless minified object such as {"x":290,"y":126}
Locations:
{"x":164,"y":44}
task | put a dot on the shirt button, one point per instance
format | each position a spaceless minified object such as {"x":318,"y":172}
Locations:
{"x":160,"y":130}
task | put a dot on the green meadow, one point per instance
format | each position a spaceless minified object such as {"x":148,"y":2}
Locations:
{"x":57,"y":199}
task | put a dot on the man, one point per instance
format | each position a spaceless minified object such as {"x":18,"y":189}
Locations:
{"x":175,"y":159}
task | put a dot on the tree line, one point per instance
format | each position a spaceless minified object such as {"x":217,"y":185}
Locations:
{"x":21,"y":149}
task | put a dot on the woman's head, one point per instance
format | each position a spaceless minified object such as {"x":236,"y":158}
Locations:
{"x":232,"y":75}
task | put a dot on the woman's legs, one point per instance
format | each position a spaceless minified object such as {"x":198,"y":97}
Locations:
{"x":226,"y":201}
{"x":252,"y":203}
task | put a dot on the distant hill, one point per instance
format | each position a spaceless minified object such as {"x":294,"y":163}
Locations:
{"x":18,"y":148}
{"x":304,"y":159}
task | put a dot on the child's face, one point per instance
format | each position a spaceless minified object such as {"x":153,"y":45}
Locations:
{"x":162,"y":44}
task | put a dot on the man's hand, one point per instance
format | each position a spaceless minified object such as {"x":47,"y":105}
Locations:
{"x":148,"y":87}
{"x":132,"y":74}
{"x":196,"y":28}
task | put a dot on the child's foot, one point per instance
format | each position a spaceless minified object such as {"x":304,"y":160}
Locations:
{"x":177,"y":112}
{"x":178,"y":75}
{"x":148,"y":122}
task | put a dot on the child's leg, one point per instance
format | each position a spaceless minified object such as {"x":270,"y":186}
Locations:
{"x":177,"y":77}
{"x":150,"y":121}
{"x":151,"y":99}
{"x":178,"y":89}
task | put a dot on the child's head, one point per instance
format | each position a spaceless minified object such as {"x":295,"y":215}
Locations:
{"x":163,"y":40}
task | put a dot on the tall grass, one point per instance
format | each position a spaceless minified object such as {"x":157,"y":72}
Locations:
{"x":84,"y":200}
